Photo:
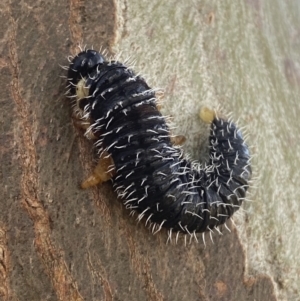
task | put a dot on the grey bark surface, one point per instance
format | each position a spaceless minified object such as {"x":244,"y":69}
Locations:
{"x":58,"y":242}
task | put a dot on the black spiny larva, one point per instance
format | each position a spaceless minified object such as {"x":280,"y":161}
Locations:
{"x":149,"y":173}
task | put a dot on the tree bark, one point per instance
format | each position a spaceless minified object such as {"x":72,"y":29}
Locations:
{"x":58,"y":242}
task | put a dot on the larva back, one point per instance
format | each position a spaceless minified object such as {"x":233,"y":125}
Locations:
{"x":149,"y":173}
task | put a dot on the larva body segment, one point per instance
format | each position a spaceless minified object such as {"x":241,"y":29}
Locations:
{"x":149,"y":173}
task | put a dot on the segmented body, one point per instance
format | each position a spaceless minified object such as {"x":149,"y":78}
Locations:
{"x":152,"y":176}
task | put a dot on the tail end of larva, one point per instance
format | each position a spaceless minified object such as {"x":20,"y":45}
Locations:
{"x":207,"y":115}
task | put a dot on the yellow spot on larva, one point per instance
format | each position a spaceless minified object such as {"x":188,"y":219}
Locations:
{"x":207,"y":115}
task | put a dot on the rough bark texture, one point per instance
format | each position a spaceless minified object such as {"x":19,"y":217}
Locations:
{"x":58,"y":242}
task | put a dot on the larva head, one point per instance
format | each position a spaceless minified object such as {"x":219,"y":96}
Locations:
{"x":82,"y":65}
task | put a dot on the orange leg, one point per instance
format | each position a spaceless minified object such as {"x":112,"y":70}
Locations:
{"x":178,"y":140}
{"x":159,"y":96}
{"x":83,"y":124}
{"x":103,"y":172}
